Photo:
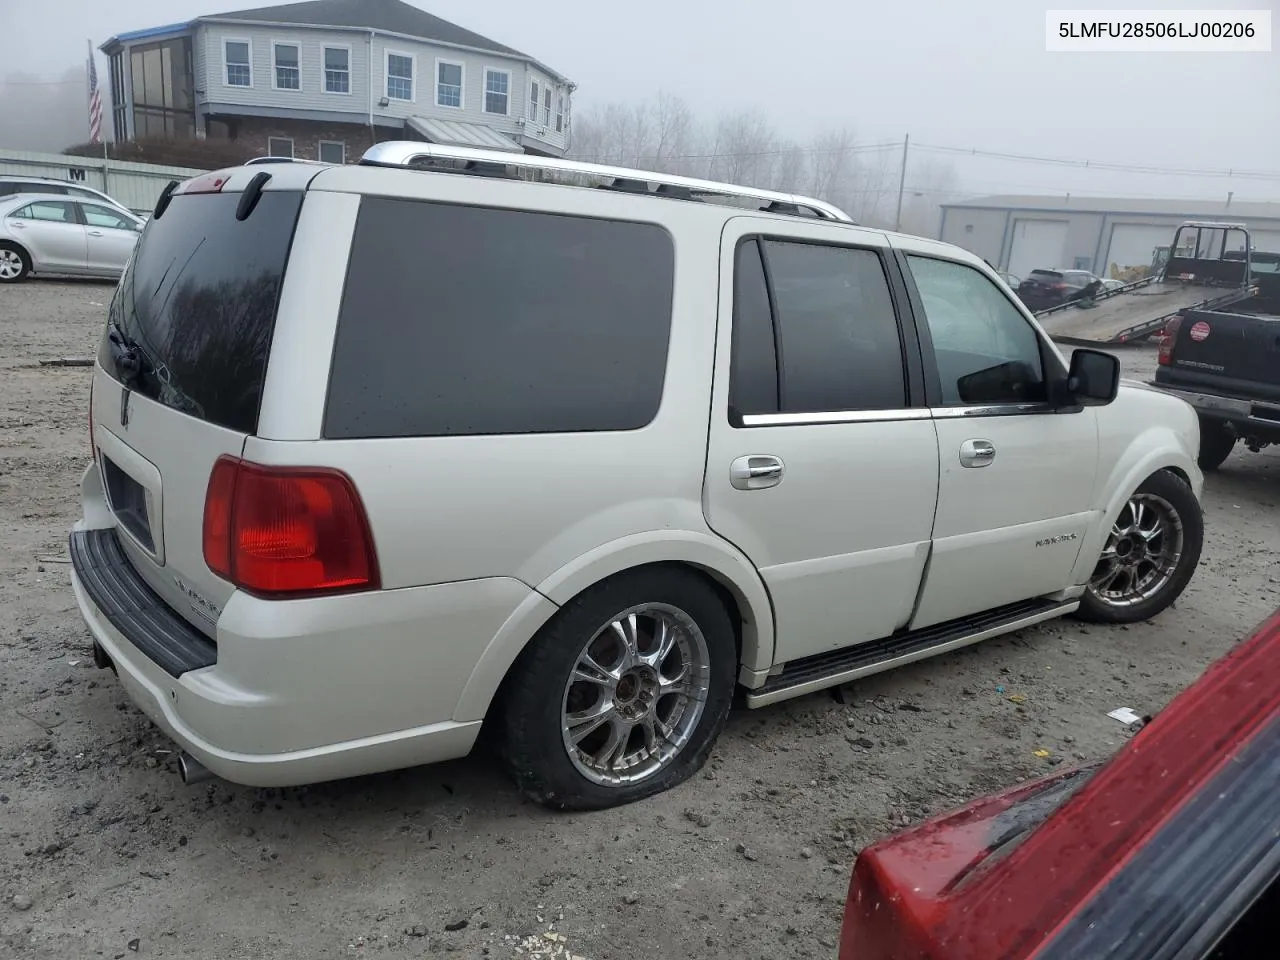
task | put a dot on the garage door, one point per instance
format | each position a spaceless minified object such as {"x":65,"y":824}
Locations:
{"x":1268,"y":240}
{"x":1132,"y":245}
{"x":1037,"y":245}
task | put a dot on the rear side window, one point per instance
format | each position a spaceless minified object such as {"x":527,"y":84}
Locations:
{"x":199,"y":302}
{"x":470,"y":320}
{"x":835,"y":333}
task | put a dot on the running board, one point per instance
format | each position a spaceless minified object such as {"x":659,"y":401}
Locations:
{"x":840,"y":666}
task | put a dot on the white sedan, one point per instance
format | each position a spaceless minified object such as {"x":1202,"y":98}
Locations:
{"x":47,"y":233}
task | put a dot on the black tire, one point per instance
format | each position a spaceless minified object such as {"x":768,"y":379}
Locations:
{"x":9,"y":250}
{"x":1173,"y":491}
{"x":536,"y":693}
{"x":1217,"y":440}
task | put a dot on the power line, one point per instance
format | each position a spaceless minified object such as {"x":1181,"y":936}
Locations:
{"x":735,"y":155}
{"x":1100,"y":165}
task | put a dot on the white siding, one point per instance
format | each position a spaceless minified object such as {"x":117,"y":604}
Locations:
{"x":1037,"y":245}
{"x":312,"y":96}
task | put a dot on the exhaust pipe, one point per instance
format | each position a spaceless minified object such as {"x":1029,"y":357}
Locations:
{"x":192,"y":770}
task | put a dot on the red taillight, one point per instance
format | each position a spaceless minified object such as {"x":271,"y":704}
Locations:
{"x":1058,"y":287}
{"x":287,"y":531}
{"x":1165,"y":357}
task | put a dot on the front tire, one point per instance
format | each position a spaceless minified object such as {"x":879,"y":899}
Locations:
{"x":15,"y":265}
{"x":623,"y":693}
{"x":1150,"y":554}
{"x":1216,"y":443}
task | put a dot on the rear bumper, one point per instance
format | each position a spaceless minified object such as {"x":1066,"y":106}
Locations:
{"x":303,"y":691}
{"x":1248,"y":417}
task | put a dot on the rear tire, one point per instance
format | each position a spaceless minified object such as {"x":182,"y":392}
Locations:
{"x":1150,"y":554}
{"x":1217,"y":440}
{"x":15,"y":264}
{"x":623,"y":693}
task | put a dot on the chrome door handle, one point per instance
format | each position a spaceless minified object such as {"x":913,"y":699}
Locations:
{"x":977,"y":453}
{"x":755,"y":472}
{"x":18,"y":225}
{"x":95,"y":233}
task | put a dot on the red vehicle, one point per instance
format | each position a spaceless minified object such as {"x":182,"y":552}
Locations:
{"x":1170,"y":849}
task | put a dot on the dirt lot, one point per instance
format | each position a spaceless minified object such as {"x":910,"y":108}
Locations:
{"x":103,"y":852}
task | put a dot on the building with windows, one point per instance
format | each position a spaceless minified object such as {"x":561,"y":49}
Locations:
{"x":1105,"y":235}
{"x":325,"y":79}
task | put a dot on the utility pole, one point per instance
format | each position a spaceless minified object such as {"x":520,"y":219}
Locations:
{"x":902,"y":181}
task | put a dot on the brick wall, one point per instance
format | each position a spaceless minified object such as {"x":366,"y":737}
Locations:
{"x":256,"y":132}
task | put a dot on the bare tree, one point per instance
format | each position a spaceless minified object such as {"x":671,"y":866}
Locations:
{"x":744,"y":147}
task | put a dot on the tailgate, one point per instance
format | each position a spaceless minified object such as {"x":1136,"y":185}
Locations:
{"x":179,"y":379}
{"x":1231,"y":345}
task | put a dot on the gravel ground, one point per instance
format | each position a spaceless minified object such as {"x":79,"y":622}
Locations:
{"x":105,"y":853}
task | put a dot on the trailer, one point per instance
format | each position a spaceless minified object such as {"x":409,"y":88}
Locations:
{"x":1204,"y":271}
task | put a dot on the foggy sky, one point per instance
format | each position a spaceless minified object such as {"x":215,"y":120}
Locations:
{"x":970,"y":74}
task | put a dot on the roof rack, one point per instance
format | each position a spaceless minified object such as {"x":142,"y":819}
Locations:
{"x":468,"y":160}
{"x":258,"y":160}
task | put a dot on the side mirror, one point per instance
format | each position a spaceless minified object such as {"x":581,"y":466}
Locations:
{"x":1094,"y":378}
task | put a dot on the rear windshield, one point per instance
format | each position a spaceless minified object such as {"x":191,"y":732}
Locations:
{"x":1045,"y":275}
{"x":198,"y":301}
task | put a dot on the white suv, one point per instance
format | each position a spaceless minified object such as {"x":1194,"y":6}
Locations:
{"x":385,"y":453}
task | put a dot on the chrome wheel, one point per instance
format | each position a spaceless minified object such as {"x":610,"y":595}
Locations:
{"x":10,"y":264}
{"x":635,"y":695}
{"x":1141,"y":554}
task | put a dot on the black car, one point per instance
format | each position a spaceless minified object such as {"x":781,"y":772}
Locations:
{"x":1049,"y":288}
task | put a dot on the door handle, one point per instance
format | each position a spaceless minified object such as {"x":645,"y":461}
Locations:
{"x":977,"y":453}
{"x":18,"y":225}
{"x":755,"y":472}
{"x":95,"y":233}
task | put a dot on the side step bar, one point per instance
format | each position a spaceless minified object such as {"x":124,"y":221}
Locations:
{"x":824,"y":670}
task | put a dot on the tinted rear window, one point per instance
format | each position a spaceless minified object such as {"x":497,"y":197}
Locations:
{"x":1044,"y":275}
{"x":199,"y":300}
{"x":468,"y":320}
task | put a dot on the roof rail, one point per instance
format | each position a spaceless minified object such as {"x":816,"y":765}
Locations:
{"x":406,"y":153}
{"x":257,"y":160}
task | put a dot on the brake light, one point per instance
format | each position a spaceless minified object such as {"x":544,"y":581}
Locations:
{"x":287,"y":531}
{"x":1058,"y":287}
{"x":206,"y":183}
{"x":1165,"y":356}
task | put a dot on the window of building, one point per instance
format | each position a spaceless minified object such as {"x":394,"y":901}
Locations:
{"x":400,"y":76}
{"x":337,"y":69}
{"x":239,"y":67}
{"x":284,"y":57}
{"x":119,"y":107}
{"x":527,"y":355}
{"x":497,"y":91}
{"x":560,"y":114}
{"x":448,"y":83}
{"x":546,"y":107}
{"x":280,"y":146}
{"x":333,"y":151}
{"x":533,"y":101}
{"x":985,"y":350}
{"x":164,"y":89}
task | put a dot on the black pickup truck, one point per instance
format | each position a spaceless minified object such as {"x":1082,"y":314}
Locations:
{"x":1227,"y":366}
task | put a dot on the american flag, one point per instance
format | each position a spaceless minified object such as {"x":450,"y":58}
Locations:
{"x":95,"y":101}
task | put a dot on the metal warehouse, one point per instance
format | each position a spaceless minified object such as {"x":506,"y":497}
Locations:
{"x":1106,"y":235}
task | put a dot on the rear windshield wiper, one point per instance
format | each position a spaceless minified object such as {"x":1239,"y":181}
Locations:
{"x":129,"y":356}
